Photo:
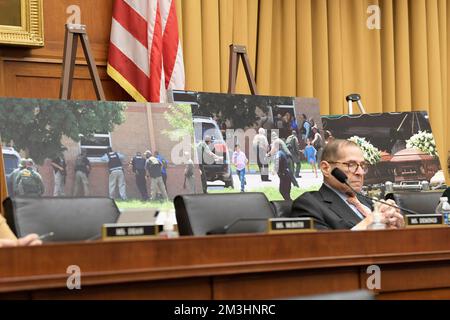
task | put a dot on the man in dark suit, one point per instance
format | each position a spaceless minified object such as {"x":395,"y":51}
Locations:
{"x":335,"y":205}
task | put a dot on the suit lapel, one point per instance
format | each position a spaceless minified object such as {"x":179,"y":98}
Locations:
{"x":338,"y":206}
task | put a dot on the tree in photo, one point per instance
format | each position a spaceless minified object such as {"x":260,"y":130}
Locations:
{"x":179,"y":117}
{"x":37,"y":126}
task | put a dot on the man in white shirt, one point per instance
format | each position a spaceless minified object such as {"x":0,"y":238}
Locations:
{"x":261,"y":147}
{"x":240,"y":161}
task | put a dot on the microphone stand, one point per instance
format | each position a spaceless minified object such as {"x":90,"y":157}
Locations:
{"x":383,"y":202}
{"x":224,"y":229}
{"x":339,"y":175}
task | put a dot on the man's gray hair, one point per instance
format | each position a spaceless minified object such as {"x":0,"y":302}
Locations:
{"x":332,"y":149}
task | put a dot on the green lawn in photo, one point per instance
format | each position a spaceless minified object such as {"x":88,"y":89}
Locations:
{"x":138,"y":204}
{"x":254,"y":167}
{"x":271,"y":193}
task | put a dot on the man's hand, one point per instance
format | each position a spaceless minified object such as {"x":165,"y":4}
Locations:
{"x":392,"y":216}
{"x":389,"y":216}
{"x":29,"y":240}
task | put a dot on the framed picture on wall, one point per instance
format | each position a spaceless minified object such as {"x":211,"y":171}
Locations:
{"x":21,"y":22}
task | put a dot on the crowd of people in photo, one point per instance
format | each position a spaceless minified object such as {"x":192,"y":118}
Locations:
{"x":295,"y":142}
{"x":149,"y":165}
{"x":282,"y":143}
{"x":26,"y":181}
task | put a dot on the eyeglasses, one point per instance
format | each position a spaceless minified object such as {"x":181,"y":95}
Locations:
{"x":353,"y":166}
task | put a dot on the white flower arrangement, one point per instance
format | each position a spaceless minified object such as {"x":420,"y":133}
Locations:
{"x":423,"y":141}
{"x":371,"y":154}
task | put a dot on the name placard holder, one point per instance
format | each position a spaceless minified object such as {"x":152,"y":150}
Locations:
{"x":424,"y":221}
{"x":290,"y":225}
{"x":129,"y":231}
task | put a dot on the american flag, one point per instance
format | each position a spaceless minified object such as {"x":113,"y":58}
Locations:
{"x":145,"y":55}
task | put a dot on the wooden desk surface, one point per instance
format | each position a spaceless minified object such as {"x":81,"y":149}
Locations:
{"x":414,"y":264}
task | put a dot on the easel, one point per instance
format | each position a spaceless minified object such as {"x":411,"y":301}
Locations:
{"x":73,"y":31}
{"x":236,"y":52}
{"x":355,"y":97}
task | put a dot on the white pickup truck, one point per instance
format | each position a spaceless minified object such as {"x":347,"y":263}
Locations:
{"x":219,"y":170}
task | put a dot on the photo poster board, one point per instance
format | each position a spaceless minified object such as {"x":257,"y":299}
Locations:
{"x":230,"y":119}
{"x":46,"y":129}
{"x":43,"y":129}
{"x":403,"y":149}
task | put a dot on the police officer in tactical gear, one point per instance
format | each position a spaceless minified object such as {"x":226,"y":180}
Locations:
{"x":294,"y":147}
{"x":59,"y":173}
{"x":138,"y":167}
{"x":116,"y":174}
{"x":154,"y":169}
{"x":82,"y":169}
{"x":28,"y":182}
{"x":14,"y":174}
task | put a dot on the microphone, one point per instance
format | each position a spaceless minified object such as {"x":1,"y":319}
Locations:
{"x":342,"y":178}
{"x":224,"y":229}
{"x":46,"y":235}
{"x":95,"y":237}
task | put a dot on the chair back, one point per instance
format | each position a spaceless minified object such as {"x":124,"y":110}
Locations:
{"x":70,"y":219}
{"x":201,"y":213}
{"x":423,"y":202}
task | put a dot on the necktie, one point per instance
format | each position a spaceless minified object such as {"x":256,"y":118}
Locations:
{"x":361,"y":208}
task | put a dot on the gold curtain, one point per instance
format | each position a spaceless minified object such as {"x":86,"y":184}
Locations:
{"x":324,"y":49}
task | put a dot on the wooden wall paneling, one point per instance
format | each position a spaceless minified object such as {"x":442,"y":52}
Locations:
{"x":436,"y":294}
{"x":35,"y":73}
{"x":96,"y":15}
{"x":421,"y":280}
{"x":185,"y":289}
{"x":24,"y":295}
{"x":253,"y":266}
{"x":42,"y":80}
{"x":412,"y":277}
{"x":286,"y":284}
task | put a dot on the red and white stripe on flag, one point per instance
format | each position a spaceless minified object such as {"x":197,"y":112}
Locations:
{"x":145,"y":55}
